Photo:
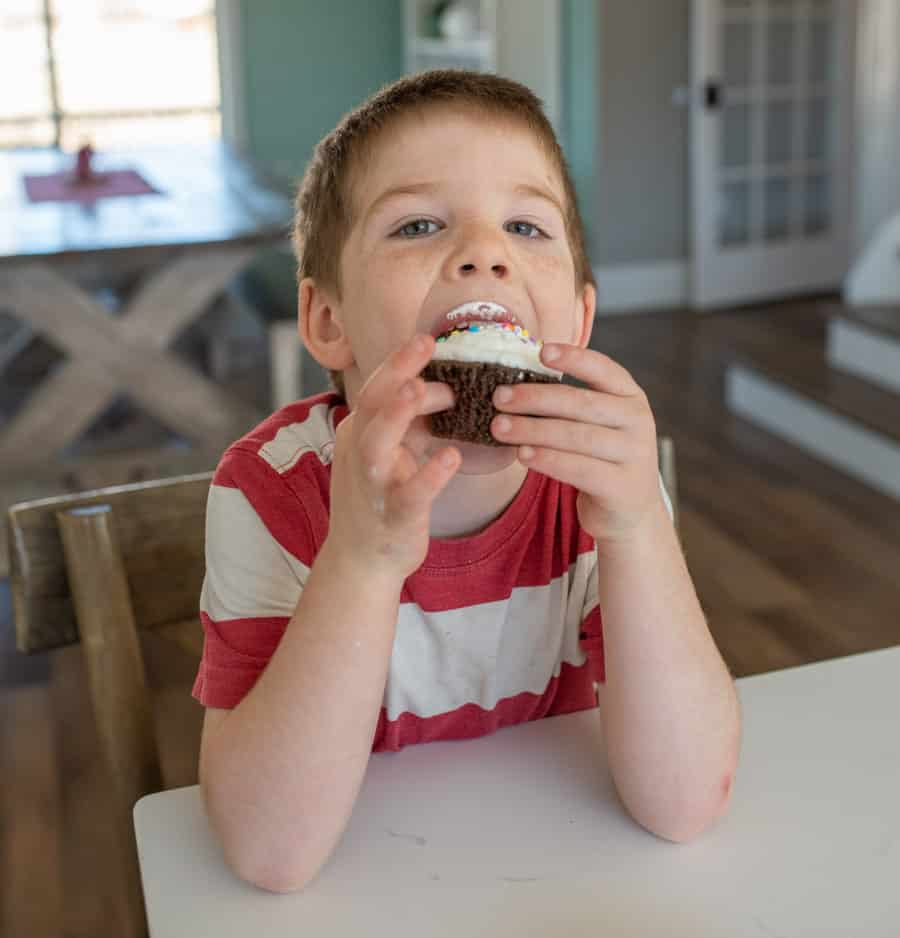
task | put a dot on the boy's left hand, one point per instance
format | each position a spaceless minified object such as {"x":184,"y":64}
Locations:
{"x":601,"y":439}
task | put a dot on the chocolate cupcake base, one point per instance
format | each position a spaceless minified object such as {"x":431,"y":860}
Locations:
{"x":473,"y":384}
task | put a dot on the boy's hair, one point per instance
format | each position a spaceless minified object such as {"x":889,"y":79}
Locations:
{"x":325,"y":207}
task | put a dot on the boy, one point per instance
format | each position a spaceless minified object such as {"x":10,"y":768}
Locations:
{"x":370,"y":586}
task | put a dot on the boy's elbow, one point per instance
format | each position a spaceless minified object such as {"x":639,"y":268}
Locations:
{"x":687,"y":824}
{"x":274,"y":879}
{"x":258,"y":860}
{"x":271,"y":875}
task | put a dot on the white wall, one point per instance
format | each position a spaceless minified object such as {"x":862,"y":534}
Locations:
{"x":877,"y":117}
{"x":528,"y":50}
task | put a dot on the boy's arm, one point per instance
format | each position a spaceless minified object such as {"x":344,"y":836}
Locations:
{"x":668,"y":705}
{"x":281,"y":772}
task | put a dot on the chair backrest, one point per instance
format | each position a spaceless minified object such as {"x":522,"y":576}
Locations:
{"x":666,"y":454}
{"x":160,"y":531}
{"x":96,"y":567}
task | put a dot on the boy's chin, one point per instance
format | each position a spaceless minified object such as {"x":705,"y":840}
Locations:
{"x":478,"y":459}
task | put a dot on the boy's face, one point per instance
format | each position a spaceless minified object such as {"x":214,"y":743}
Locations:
{"x":489,"y":226}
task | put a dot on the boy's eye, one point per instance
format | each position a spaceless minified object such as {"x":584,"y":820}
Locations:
{"x":412,"y":229}
{"x":527,"y":224}
{"x":407,"y":233}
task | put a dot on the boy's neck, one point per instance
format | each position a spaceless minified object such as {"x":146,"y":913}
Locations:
{"x":470,"y":503}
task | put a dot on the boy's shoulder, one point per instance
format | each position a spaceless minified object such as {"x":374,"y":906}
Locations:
{"x":296,"y":439}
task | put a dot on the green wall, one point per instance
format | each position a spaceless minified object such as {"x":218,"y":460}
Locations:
{"x":307,"y":62}
{"x":579,"y":92}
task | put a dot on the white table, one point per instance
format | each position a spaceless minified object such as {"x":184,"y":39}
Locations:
{"x":521,"y":834}
{"x":170,"y":255}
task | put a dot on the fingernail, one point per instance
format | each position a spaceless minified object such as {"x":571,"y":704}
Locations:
{"x":526,"y":453}
{"x":503,"y":424}
{"x":551,"y":353}
{"x":503,"y":395}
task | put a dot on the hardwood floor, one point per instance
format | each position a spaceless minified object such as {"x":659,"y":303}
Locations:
{"x":793,"y":562}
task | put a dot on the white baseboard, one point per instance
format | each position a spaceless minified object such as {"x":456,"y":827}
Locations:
{"x":633,"y":288}
{"x":870,"y":355}
{"x":875,"y":276}
{"x":851,"y":447}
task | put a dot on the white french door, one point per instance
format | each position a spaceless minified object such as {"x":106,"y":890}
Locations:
{"x":770,"y":147}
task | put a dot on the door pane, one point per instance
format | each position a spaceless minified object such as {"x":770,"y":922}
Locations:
{"x":817,"y":204}
{"x":777,"y":205}
{"x":817,"y":129}
{"x":734,"y":213}
{"x":778,"y":131}
{"x":780,"y":52}
{"x":820,"y":51}
{"x":736,"y":135}
{"x":736,"y":54}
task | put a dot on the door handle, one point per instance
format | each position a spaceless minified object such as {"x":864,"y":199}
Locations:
{"x":712,"y":95}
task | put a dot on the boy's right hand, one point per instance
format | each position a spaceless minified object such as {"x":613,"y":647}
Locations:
{"x":380,"y":497}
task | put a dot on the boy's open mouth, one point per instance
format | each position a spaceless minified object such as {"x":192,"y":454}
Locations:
{"x":475,"y":311}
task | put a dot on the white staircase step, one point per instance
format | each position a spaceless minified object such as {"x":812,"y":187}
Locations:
{"x":847,"y":444}
{"x":863,"y":351}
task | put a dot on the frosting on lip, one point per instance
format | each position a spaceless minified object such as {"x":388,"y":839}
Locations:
{"x":473,"y":311}
{"x":500,"y":343}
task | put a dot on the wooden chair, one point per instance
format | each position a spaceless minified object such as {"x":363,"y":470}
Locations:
{"x":95,"y":567}
{"x":666,"y":454}
{"x":98,"y":566}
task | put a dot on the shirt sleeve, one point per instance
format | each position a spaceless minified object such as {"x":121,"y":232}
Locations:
{"x":253,"y":580}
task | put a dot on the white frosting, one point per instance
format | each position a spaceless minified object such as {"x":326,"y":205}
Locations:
{"x":493,"y":344}
{"x":483,"y":309}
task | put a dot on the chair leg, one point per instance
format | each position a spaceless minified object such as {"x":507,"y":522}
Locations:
{"x":112,"y":652}
{"x":286,"y":357}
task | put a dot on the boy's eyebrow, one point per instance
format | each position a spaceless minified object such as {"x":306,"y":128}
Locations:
{"x":539,"y":192}
{"x":428,"y":188}
{"x":412,"y":188}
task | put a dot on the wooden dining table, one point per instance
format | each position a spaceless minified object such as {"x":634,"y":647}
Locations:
{"x":167,"y":256}
{"x":522,"y":834}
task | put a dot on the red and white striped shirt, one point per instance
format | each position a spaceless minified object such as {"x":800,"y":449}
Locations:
{"x":493,"y":629}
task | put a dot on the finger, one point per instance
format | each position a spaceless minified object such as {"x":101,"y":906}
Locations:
{"x":400,"y":366}
{"x":437,"y":397}
{"x":409,"y":500}
{"x":568,"y":436}
{"x":385,"y":430}
{"x":594,"y":368}
{"x":594,"y":477}
{"x":563,"y":400}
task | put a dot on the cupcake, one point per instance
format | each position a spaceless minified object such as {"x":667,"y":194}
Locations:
{"x":483,"y":347}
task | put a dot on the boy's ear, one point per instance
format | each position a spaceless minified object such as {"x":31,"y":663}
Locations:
{"x":587,"y":307}
{"x":321,"y":327}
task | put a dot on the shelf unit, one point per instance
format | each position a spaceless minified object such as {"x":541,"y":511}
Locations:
{"x":424,"y":50}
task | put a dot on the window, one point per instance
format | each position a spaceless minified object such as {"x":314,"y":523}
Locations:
{"x":111,"y":72}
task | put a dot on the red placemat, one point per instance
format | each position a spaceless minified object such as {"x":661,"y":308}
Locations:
{"x":62,"y":187}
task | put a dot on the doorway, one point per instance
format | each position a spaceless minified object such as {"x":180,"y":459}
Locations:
{"x":770,"y":147}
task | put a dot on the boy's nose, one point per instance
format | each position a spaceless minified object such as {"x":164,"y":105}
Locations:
{"x":470,"y":268}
